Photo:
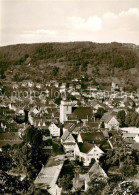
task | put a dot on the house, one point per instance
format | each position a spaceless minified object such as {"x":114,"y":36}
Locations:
{"x":68,"y":142}
{"x":80,"y":181}
{"x":15,"y":86}
{"x":69,"y":126}
{"x":114,"y":86}
{"x":101,"y":139}
{"x":49,"y":174}
{"x":85,"y":152}
{"x":81,"y":114}
{"x":90,"y":137}
{"x":136,"y":138}
{"x":110,"y":121}
{"x":129,"y":137}
{"x":47,"y":142}
{"x":96,"y":105}
{"x":38,"y":85}
{"x":30,"y":84}
{"x":130,"y":130}
{"x":54,"y":130}
{"x":65,"y":108}
{"x":70,"y":113}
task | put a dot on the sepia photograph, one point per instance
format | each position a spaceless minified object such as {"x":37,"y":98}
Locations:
{"x":69,"y":97}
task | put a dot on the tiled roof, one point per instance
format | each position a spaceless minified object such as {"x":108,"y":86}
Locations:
{"x":69,"y":143}
{"x":96,"y":169}
{"x":107,"y":117}
{"x":70,"y":126}
{"x":82,"y":112}
{"x":50,"y":172}
{"x":95,"y":136}
{"x":105,"y":133}
{"x":85,"y":147}
{"x":65,"y":135}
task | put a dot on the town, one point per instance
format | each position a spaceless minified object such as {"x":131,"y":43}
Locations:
{"x":68,"y":138}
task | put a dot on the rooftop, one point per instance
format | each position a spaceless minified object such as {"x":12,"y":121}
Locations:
{"x":82,"y":112}
{"x":50,"y":172}
{"x":95,"y":136}
{"x":85,"y":147}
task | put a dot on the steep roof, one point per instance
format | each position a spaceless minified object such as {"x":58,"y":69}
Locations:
{"x":95,"y":136}
{"x":85,"y":147}
{"x":70,"y":126}
{"x":96,"y":169}
{"x":107,"y":117}
{"x":105,"y":133}
{"x":65,"y":135}
{"x":50,"y":172}
{"x":82,"y":112}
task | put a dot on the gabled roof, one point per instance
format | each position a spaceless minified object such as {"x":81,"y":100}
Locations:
{"x":97,"y":103}
{"x":85,"y":147}
{"x":50,"y":172}
{"x":105,"y":133}
{"x":82,"y":112}
{"x":95,"y":136}
{"x":96,"y":169}
{"x":107,"y":117}
{"x":65,"y":135}
{"x":70,"y":126}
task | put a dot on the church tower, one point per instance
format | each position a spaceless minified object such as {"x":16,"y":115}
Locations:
{"x":65,"y":108}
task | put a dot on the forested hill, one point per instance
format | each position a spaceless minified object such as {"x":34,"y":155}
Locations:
{"x":101,"y":63}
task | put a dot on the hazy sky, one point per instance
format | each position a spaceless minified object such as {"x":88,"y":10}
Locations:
{"x":29,"y":21}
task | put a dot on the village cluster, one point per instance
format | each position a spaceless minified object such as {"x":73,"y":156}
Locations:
{"x":83,"y":123}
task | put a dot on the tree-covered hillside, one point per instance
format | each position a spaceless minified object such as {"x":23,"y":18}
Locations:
{"x":102,"y":63}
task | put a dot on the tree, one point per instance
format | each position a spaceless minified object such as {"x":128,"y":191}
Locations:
{"x":132,"y":119}
{"x":136,"y":156}
{"x":65,"y":182}
{"x":100,"y":112}
{"x":6,"y":162}
{"x":121,"y":118}
{"x":58,"y":101}
{"x":129,"y":170}
{"x":96,"y":185}
{"x":128,"y":119}
{"x":137,"y":121}
{"x":55,"y":71}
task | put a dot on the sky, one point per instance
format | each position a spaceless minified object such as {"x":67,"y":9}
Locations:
{"x":33,"y":21}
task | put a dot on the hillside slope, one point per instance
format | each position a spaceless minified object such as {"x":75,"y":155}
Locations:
{"x":101,"y":63}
